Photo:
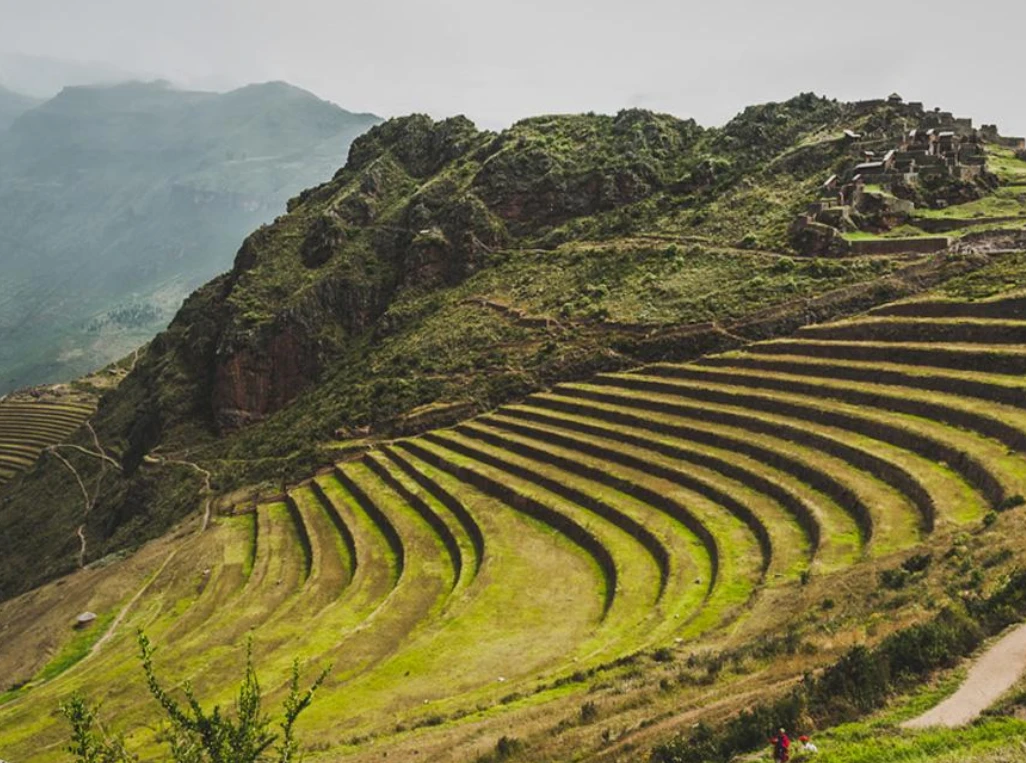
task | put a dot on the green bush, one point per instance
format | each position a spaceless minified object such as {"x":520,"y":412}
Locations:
{"x":193,"y":735}
{"x":1011,"y":502}
{"x":589,"y":713}
{"x":895,"y":579}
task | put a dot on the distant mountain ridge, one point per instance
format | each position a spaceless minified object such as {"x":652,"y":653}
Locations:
{"x":118,"y":200}
{"x":13,"y":105}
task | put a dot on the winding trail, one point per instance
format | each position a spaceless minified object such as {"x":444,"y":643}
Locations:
{"x":100,"y":452}
{"x":994,"y":673}
{"x":207,"y":489}
{"x":90,"y":501}
{"x":124,"y":610}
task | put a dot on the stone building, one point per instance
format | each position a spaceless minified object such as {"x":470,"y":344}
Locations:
{"x":940,"y":146}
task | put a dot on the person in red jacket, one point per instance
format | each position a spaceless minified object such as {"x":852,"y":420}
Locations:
{"x":781,"y":747}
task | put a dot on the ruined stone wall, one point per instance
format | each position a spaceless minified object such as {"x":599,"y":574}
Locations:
{"x":927,"y":245}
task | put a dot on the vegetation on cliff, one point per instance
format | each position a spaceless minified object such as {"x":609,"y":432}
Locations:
{"x":445,"y":270}
{"x":805,"y":495}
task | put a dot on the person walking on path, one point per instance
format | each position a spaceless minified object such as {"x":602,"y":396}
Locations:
{"x":781,"y":747}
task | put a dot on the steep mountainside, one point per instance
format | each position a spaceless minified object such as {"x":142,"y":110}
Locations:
{"x":445,"y":270}
{"x":13,"y":105}
{"x":659,"y":565}
{"x":556,"y":445}
{"x":116,"y":202}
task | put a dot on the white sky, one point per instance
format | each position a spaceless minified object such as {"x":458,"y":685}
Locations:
{"x":497,"y":62}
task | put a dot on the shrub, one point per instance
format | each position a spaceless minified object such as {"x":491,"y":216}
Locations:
{"x":1011,"y":502}
{"x":507,"y":747}
{"x":589,"y":713}
{"x":895,"y":579}
{"x":917,"y":563}
{"x":193,"y":735}
{"x":663,"y":654}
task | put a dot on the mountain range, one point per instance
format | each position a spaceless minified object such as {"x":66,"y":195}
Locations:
{"x":117,"y":201}
{"x":13,"y":105}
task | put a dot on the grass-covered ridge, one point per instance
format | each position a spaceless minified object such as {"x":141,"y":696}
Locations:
{"x":593,"y":570}
{"x":445,"y":270}
{"x":679,"y":454}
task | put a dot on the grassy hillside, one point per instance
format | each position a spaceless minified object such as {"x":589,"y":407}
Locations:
{"x":592,"y":570}
{"x":684,"y":466}
{"x":445,"y":270}
{"x":116,"y":202}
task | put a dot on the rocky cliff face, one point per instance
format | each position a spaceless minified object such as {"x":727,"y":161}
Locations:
{"x":419,"y":205}
{"x":423,"y":205}
{"x":329,"y":270}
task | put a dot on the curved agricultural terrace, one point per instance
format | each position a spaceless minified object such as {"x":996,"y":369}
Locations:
{"x":28,"y":426}
{"x":476,"y":581}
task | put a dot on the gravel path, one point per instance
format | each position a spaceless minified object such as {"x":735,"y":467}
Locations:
{"x":993,"y":674}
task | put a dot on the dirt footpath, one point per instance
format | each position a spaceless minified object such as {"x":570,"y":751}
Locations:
{"x":993,"y":674}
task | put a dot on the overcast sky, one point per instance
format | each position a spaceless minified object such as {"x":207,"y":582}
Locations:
{"x":497,"y":62}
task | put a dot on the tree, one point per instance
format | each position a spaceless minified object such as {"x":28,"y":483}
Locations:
{"x":242,"y":734}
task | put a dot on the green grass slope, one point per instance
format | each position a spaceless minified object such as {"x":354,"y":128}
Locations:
{"x":597,"y":567}
{"x":446,"y":270}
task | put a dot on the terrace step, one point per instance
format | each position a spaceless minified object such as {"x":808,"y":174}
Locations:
{"x":1004,"y":389}
{"x":20,"y":448}
{"x":961,"y":331}
{"x":825,"y":523}
{"x":378,"y":517}
{"x":990,"y":359}
{"x":17,"y":460}
{"x":641,"y":602}
{"x":277,"y":574}
{"x":529,"y":502}
{"x":35,"y":428}
{"x":443,"y":498}
{"x":416,"y":500}
{"x":616,"y":509}
{"x":850,"y":488}
{"x":681,"y":520}
{"x":1005,"y":424}
{"x":331,"y":561}
{"x":652,"y":501}
{"x":781,"y":538}
{"x":427,"y":575}
{"x":528,"y":613}
{"x":39,"y":407}
{"x":888,"y":444}
{"x":222,"y":592}
{"x":1013,"y":307}
{"x":366,"y":553}
{"x":30,"y":413}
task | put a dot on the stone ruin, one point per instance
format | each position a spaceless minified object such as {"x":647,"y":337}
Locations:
{"x":941,"y":147}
